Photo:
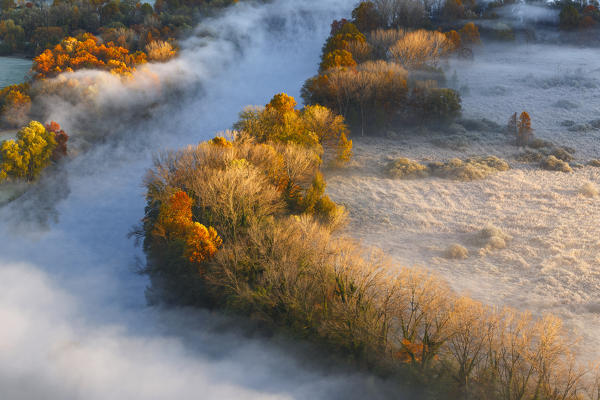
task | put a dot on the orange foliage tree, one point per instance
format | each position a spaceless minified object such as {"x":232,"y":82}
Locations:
{"x":524,"y":132}
{"x":73,"y":54}
{"x":175,"y":226}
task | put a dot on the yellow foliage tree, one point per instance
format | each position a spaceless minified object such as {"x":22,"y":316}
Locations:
{"x":15,"y":104}
{"x":315,"y":127}
{"x":28,"y":155}
{"x":159,"y":50}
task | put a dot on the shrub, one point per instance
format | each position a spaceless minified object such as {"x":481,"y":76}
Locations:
{"x":594,"y":163}
{"x":538,"y":143}
{"x":470,"y":169}
{"x":404,"y":168}
{"x":529,"y":156}
{"x":457,"y":252}
{"x":491,"y":237}
{"x":551,"y":163}
{"x":589,"y":190}
{"x":562,"y":154}
{"x":436,"y":104}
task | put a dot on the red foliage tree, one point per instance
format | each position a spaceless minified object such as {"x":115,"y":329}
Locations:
{"x":61,"y":138}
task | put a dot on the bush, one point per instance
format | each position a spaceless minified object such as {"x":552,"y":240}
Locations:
{"x":562,"y":154}
{"x":403,"y":168}
{"x":594,"y":163}
{"x":469,"y":169}
{"x":457,"y":252}
{"x":551,"y":163}
{"x":436,"y":104}
{"x":589,"y":190}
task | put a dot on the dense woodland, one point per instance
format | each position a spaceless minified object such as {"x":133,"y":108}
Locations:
{"x":242,"y":223}
{"x":32,"y":27}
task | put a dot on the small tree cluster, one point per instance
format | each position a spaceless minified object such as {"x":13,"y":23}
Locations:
{"x":388,"y":75}
{"x":314,"y":127}
{"x":521,"y":128}
{"x":26,"y":157}
{"x":74,"y":54}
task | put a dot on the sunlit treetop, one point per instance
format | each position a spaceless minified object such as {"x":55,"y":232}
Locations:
{"x":73,"y":54}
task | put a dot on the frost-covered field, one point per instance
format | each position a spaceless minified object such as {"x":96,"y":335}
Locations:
{"x":551,"y":263}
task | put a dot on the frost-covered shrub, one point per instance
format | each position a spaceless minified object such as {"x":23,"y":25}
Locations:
{"x":563,"y":154}
{"x":403,"y":168}
{"x":470,"y":169}
{"x":492,"y":237}
{"x":589,"y":190}
{"x":537,"y":143}
{"x":457,"y":252}
{"x":529,"y":156}
{"x":551,"y":163}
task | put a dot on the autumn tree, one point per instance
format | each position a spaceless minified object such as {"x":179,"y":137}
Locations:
{"x":61,"y":138}
{"x":175,"y":227}
{"x":419,"y":48}
{"x":469,"y":34}
{"x":524,"y":131}
{"x":454,"y":40}
{"x":314,"y":126}
{"x":26,"y":156}
{"x":337,"y":47}
{"x":337,"y":58}
{"x":159,"y":50}
{"x":73,"y":54}
{"x":15,"y":104}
